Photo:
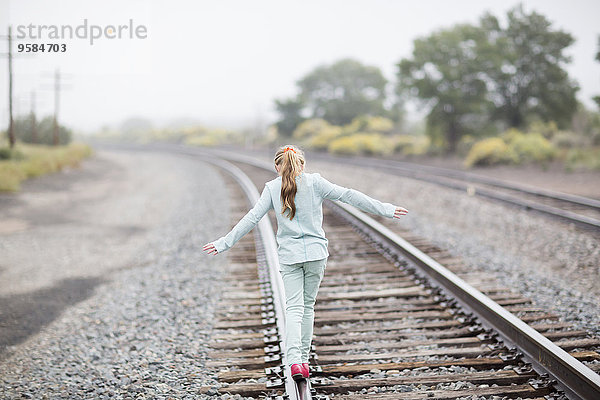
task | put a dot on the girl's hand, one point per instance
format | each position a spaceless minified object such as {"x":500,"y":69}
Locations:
{"x":400,"y":211}
{"x":210,"y":249}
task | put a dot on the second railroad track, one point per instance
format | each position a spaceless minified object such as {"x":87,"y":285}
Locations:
{"x":391,"y":322}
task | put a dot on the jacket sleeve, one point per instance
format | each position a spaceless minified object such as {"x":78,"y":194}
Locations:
{"x":353,"y":197}
{"x":245,"y":225}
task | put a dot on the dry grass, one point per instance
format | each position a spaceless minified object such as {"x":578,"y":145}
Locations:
{"x":29,"y":160}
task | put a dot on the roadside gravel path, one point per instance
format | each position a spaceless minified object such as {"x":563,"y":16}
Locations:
{"x":130,"y":294}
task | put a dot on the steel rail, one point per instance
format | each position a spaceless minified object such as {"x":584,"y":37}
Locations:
{"x":300,"y":390}
{"x":467,"y":176}
{"x":566,"y":215}
{"x":294,"y":391}
{"x":573,"y":377}
{"x":439,"y":179}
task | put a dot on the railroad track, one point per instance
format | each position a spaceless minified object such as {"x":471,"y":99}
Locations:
{"x":390,"y":323}
{"x":579,"y":210}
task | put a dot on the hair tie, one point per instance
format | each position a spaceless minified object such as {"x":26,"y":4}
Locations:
{"x":288,"y":148}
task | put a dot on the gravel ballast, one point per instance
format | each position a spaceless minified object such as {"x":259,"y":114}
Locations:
{"x":142,"y":331}
{"x":144,"y":295}
{"x":555,"y":264}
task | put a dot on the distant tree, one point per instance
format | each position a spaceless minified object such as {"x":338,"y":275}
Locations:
{"x":397,"y":112}
{"x":344,"y":90}
{"x":44,"y":131}
{"x":22,"y":128}
{"x":473,"y":76}
{"x":529,"y":79}
{"x":444,"y":72}
{"x":290,"y":112}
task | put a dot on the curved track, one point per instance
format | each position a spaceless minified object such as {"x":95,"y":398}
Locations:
{"x":582,"y":211}
{"x":392,"y":322}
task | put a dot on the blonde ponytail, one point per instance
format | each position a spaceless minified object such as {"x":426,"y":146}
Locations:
{"x":290,"y":160}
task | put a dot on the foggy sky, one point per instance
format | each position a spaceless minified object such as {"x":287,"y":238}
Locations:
{"x":223,"y":62}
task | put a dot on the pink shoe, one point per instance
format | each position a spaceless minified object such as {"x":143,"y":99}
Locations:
{"x":297,"y":372}
{"x":306,"y":370}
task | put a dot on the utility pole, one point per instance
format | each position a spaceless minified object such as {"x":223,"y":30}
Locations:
{"x":11,"y":56}
{"x":34,"y":138}
{"x":11,"y":133}
{"x":57,"y":87}
{"x":56,"y":103}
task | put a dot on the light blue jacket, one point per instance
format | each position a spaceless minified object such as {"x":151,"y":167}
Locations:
{"x":301,"y":239}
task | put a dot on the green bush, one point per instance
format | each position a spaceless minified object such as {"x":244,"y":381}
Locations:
{"x":44,"y":129}
{"x":322,"y":140}
{"x":197,"y":135}
{"x":410,"y":145}
{"x":203,"y":141}
{"x":310,"y":128}
{"x":370,"y":124}
{"x":6,"y":153}
{"x":531,"y":147}
{"x":546,"y":129}
{"x":360,"y":143}
{"x":513,"y":147}
{"x":344,"y":145}
{"x":568,"y":140}
{"x":421,"y":147}
{"x":402,"y":142}
{"x":380,"y":125}
{"x":210,"y":137}
{"x":489,"y":152}
{"x":588,"y":158}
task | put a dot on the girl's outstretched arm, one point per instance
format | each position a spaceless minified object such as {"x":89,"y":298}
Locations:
{"x":245,"y":225}
{"x":358,"y":199}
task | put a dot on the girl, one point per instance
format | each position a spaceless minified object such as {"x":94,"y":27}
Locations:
{"x":302,"y":247}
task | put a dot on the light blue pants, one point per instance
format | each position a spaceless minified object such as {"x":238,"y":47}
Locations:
{"x":301,"y":283}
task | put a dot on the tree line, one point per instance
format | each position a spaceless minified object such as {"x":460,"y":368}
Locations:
{"x":473,"y":79}
{"x":29,"y":129}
